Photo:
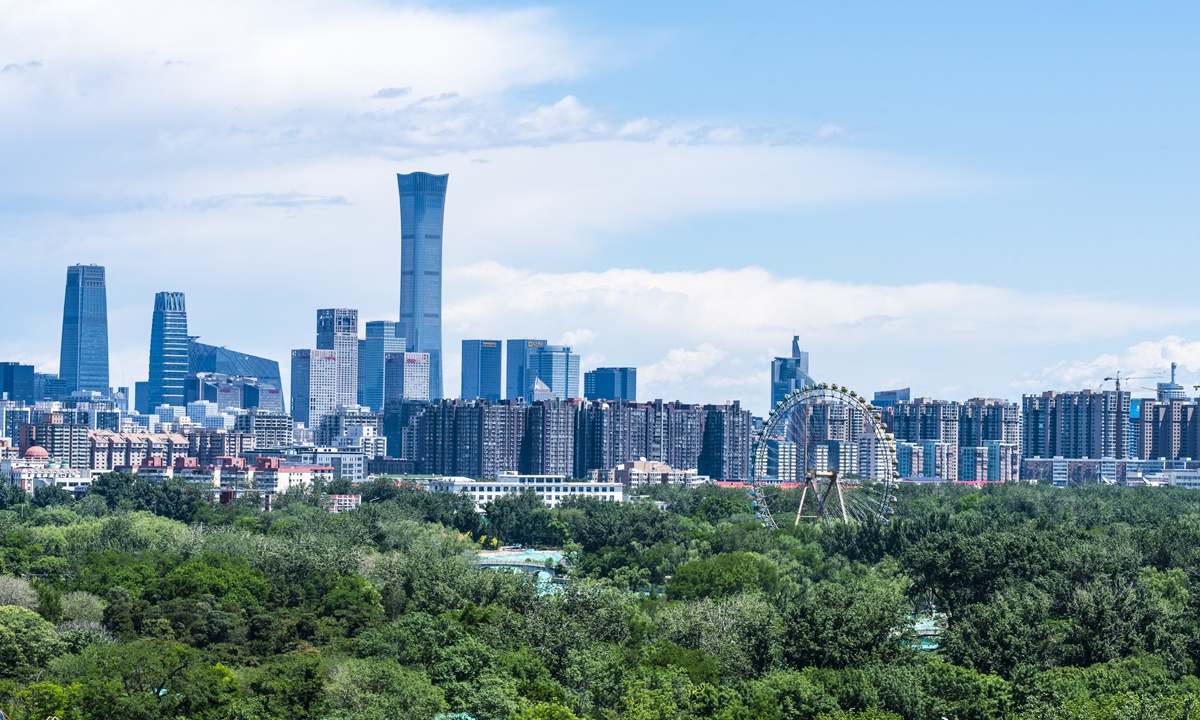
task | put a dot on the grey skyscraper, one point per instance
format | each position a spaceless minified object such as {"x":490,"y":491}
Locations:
{"x":314,"y":385}
{"x":422,"y":206}
{"x":83,"y":361}
{"x":520,"y":353}
{"x":481,"y":369}
{"x":611,"y":383}
{"x":789,"y":374}
{"x":382,"y":338}
{"x":168,"y":350}
{"x":337,"y":329}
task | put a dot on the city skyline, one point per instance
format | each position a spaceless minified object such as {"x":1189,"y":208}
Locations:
{"x":679,"y":192}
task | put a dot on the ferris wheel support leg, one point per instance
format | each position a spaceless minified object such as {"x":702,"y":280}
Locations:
{"x":799,"y":510}
{"x":842,"y":501}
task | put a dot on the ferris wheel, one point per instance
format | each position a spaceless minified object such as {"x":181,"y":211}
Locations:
{"x":825,"y":455}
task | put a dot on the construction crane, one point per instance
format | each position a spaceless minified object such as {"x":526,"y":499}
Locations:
{"x":1118,"y":378}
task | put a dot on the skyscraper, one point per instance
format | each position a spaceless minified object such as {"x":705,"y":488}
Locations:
{"x":204,"y":358}
{"x":381,"y":339}
{"x":789,"y":374}
{"x":406,"y":376}
{"x":520,"y":352}
{"x":314,"y":385}
{"x":481,"y":369}
{"x":611,"y":383}
{"x":422,"y":206}
{"x":168,"y":350}
{"x":16,"y":380}
{"x":337,"y":329}
{"x":558,"y":367}
{"x":83,"y":360}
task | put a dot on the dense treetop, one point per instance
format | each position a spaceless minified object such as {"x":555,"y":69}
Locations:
{"x":143,"y":601}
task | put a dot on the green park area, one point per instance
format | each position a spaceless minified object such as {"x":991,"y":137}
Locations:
{"x":143,"y":601}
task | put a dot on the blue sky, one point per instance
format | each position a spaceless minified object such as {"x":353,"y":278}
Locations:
{"x":969,"y":200}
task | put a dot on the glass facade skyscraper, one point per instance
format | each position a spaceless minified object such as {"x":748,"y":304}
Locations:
{"x":83,"y":359}
{"x":611,"y":383}
{"x":519,"y":382}
{"x":168,"y":350}
{"x":789,"y":374}
{"x":337,"y":329}
{"x":422,"y":207}
{"x":558,"y":368}
{"x":373,"y":350}
{"x":16,"y":381}
{"x":204,"y":358}
{"x":481,"y":369}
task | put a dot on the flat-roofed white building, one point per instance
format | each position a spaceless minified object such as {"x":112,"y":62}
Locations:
{"x":553,"y":489}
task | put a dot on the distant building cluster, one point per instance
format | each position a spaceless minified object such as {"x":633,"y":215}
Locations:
{"x":366,"y":401}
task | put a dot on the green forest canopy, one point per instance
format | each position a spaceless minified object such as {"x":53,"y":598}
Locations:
{"x":143,"y":601}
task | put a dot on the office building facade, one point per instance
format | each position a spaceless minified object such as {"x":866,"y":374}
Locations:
{"x":789,"y":374}
{"x":314,"y":385}
{"x":611,"y":383}
{"x":204,"y":358}
{"x":168,"y":350}
{"x":558,"y":368}
{"x":270,"y":429}
{"x":16,"y":382}
{"x":83,"y":356}
{"x":481,"y":369}
{"x":337,"y":330}
{"x":407,"y":376}
{"x":382,"y":338}
{"x":519,"y":380}
{"x":422,"y":210}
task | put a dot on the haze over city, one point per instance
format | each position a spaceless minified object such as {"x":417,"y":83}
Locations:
{"x":968,"y":202}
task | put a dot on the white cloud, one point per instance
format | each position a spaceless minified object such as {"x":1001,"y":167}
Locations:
{"x":1143,"y":364}
{"x":710,"y":336}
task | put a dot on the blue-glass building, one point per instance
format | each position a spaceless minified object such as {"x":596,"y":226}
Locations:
{"x":212,"y":359}
{"x":481,"y":369}
{"x":789,"y":374}
{"x":16,"y":380}
{"x":558,"y":368}
{"x":382,"y":338}
{"x":168,"y":350}
{"x":611,"y":383}
{"x":83,"y":358}
{"x":519,"y":381}
{"x":422,"y":207}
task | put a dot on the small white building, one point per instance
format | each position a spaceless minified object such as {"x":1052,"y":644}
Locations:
{"x":552,"y":488}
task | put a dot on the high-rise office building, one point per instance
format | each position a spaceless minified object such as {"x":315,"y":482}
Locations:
{"x":314,"y":385}
{"x":270,"y":429}
{"x":519,"y":382}
{"x":204,"y":358}
{"x":481,"y":369}
{"x":558,"y":368}
{"x":381,"y":339}
{"x":407,"y":376}
{"x":47,"y":386}
{"x":83,"y":359}
{"x":889,"y":398}
{"x":168,"y":350}
{"x":337,"y":329}
{"x":422,"y":208}
{"x":16,"y":381}
{"x":611,"y":383}
{"x":789,"y":374}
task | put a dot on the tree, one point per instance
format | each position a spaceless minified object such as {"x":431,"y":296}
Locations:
{"x":843,"y":625}
{"x":723,"y":575}
{"x":381,"y":689}
{"x":545,"y":711}
{"x":154,"y":679}
{"x":26,"y":640}
{"x":17,"y":591}
{"x":49,"y":495}
{"x":80,"y":605}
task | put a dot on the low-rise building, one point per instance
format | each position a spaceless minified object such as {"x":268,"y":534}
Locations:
{"x":344,"y":503}
{"x":552,"y":488}
{"x":636,"y":474}
{"x":109,"y":450}
{"x":37,"y":469}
